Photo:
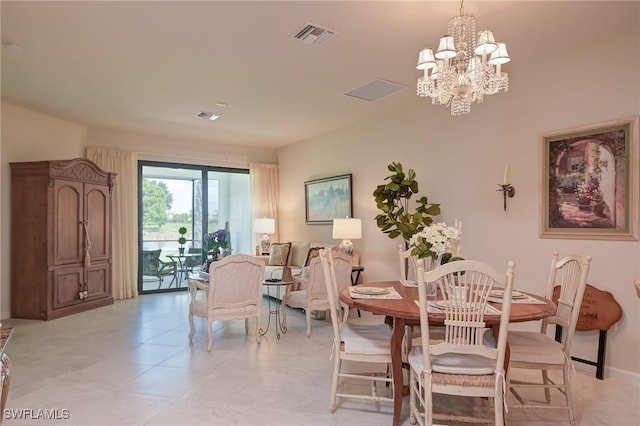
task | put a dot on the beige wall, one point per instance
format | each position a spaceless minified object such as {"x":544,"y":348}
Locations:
{"x":459,"y":162}
{"x":30,"y":136}
{"x":163,"y":148}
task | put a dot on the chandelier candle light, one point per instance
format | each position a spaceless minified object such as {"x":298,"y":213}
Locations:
{"x":463,"y":69}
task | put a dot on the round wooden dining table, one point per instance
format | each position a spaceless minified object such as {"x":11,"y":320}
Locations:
{"x":405,"y":312}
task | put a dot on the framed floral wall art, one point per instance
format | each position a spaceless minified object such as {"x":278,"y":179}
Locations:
{"x":590,"y":182}
{"x":327,"y":199}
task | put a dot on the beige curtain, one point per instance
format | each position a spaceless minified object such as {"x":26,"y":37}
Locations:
{"x":264,"y":193}
{"x":124,"y":271}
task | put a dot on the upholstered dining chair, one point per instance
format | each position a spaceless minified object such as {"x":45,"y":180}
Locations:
{"x":234,"y":291}
{"x":355,"y":343}
{"x":314,"y":297}
{"x":536,"y":350}
{"x":469,"y":361}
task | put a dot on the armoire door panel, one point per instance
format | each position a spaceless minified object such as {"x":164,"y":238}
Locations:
{"x":98,"y":282}
{"x":98,"y":221}
{"x":68,"y":215}
{"x":67,"y":283}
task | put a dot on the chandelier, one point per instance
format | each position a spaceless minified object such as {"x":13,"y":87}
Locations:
{"x":463,"y":70}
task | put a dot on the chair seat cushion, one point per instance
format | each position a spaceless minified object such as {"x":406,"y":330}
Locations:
{"x":297,"y":299}
{"x":478,"y":380}
{"x":275,"y":272}
{"x":371,"y":339}
{"x":534,"y":347}
{"x":450,"y":363}
{"x":200,"y":308}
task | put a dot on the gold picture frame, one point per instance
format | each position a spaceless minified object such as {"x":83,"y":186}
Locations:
{"x":590,"y":182}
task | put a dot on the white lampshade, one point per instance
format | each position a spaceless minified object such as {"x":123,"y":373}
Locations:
{"x":500,"y":55}
{"x":486,"y":43}
{"x":446,"y":48}
{"x":426,"y":59}
{"x":264,"y":225}
{"x":347,"y":229}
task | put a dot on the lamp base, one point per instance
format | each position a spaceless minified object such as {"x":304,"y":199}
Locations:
{"x":346,"y":246}
{"x":265,"y":244}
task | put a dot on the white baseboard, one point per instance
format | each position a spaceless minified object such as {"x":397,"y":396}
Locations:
{"x":609,"y":372}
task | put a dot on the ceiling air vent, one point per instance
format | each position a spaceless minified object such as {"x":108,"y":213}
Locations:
{"x":313,"y":34}
{"x":210,"y":115}
{"x":376,"y":89}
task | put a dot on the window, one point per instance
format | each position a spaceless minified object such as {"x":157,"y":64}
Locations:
{"x":174,"y":196}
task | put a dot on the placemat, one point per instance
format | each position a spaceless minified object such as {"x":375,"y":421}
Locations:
{"x":409,"y":283}
{"x":528,"y":299}
{"x":392,"y":294}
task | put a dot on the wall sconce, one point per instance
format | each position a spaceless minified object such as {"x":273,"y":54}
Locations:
{"x":265,"y":226}
{"x":507,"y":191}
{"x":347,"y":229}
{"x":506,"y":188}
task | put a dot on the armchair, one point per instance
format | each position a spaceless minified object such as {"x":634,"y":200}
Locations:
{"x":314,"y":296}
{"x":234,"y":292}
{"x":153,"y":266}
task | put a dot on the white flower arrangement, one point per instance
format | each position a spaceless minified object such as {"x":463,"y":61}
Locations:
{"x":437,"y":239}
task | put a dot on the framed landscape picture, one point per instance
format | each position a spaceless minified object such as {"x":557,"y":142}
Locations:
{"x":590,"y":182}
{"x":327,"y":199}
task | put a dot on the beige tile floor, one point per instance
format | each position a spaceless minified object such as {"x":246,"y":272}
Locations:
{"x":132,"y":364}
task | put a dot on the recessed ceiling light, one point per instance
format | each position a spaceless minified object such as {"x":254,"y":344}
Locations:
{"x":214,"y":116}
{"x":221,"y":104}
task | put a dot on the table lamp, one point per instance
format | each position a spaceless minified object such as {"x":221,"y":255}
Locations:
{"x":347,"y":229}
{"x":265,"y":226}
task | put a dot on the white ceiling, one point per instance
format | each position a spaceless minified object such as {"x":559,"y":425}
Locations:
{"x":149,"y":66}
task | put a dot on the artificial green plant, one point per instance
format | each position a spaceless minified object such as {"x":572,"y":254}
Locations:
{"x":393,"y":199}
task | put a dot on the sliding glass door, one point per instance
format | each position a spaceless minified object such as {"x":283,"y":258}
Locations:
{"x":178,"y":204}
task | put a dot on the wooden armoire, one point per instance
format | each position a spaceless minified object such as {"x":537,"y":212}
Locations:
{"x":60,"y":238}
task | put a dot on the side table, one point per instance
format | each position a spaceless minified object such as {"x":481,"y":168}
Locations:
{"x":277,"y":304}
{"x":182,"y":270}
{"x":354,"y":281}
{"x":358,"y":270}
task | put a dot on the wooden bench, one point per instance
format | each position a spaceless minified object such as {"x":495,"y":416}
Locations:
{"x":599,"y":311}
